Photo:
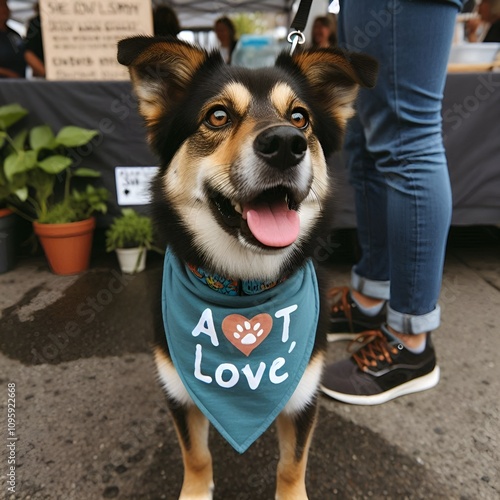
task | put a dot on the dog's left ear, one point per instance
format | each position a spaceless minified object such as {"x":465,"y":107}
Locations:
{"x":161,"y":68}
{"x":335,"y":76}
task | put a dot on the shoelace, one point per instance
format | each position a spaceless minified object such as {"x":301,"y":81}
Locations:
{"x":375,"y":348}
{"x":342,"y":304}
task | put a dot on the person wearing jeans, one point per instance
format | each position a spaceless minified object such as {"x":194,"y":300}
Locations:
{"x":397,"y":166}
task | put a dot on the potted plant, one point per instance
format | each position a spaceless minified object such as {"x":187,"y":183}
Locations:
{"x":35,"y":164}
{"x":8,"y":116}
{"x":130,"y":235}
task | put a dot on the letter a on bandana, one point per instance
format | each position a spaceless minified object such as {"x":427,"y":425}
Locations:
{"x":240,"y":358}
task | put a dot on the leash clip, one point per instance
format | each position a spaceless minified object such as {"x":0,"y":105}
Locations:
{"x":295,"y":38}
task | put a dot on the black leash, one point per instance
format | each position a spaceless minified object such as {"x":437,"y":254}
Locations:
{"x":299,"y":22}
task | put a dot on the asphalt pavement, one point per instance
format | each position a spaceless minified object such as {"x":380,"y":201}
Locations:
{"x":91,"y":420}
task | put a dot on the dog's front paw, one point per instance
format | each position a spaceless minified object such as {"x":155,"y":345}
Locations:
{"x":191,"y":495}
{"x":196,"y":497}
{"x":300,"y":495}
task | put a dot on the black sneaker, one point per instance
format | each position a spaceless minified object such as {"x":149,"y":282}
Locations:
{"x":346,"y":320}
{"x":381,"y":370}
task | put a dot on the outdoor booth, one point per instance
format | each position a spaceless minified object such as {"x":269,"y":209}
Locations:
{"x":470,"y":125}
{"x":470,"y":121}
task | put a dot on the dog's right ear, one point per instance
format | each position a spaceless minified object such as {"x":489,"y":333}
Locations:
{"x":335,"y":77}
{"x":160,"y":68}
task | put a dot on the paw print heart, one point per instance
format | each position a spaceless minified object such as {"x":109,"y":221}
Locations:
{"x":247,"y":334}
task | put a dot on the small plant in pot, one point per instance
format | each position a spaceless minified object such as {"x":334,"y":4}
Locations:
{"x":37,"y":174}
{"x":131,"y":236}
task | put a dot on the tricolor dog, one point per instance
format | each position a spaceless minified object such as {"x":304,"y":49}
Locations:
{"x":242,"y":195}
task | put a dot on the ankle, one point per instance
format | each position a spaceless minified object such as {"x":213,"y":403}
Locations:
{"x":364,"y":300}
{"x":412,"y":341}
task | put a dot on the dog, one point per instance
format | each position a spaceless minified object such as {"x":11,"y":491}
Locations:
{"x":242,"y":195}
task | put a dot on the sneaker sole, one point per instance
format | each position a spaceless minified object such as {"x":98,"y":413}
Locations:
{"x":337,"y":337}
{"x":349,"y":335}
{"x":416,"y":385}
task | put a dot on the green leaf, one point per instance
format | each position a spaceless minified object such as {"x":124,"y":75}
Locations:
{"x":10,"y":114}
{"x":17,"y":163}
{"x":86,"y":172}
{"x":129,"y":212}
{"x":72,"y":136}
{"x":16,"y":144}
{"x":22,"y":193}
{"x":101,"y":207}
{"x":20,"y":139}
{"x":42,"y":184}
{"x":55,"y":164}
{"x":42,"y":137}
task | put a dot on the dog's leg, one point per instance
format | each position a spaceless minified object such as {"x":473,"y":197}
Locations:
{"x":294,"y":433}
{"x":192,"y":431}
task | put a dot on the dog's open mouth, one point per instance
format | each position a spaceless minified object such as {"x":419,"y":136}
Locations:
{"x":271,"y":218}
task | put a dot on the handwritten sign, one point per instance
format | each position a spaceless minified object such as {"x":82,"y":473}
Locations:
{"x":80,"y":36}
{"x":133,"y":184}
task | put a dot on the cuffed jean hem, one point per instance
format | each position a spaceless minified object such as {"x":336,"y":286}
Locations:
{"x":408,"y":323}
{"x":371,"y":288}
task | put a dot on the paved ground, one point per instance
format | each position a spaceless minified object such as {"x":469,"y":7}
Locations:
{"x":92,"y":422}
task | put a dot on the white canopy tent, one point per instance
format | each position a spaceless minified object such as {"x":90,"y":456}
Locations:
{"x":195,"y":15}
{"x":192,"y":13}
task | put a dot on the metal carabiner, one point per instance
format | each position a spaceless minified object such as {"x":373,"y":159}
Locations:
{"x":298,"y":39}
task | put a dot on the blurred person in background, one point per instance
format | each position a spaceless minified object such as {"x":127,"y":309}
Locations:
{"x":12,"y":63}
{"x":165,"y":21}
{"x":33,"y":45}
{"x":226,"y":34}
{"x":485,"y":28}
{"x":324,"y":32}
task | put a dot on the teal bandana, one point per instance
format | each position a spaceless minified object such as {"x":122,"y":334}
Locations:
{"x":240,"y":358}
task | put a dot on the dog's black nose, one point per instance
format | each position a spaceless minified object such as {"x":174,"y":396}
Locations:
{"x":281,"y":146}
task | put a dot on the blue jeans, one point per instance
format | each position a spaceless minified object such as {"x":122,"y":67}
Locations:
{"x":395,"y":155}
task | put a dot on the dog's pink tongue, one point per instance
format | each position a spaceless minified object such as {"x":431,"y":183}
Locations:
{"x":273,"y":224}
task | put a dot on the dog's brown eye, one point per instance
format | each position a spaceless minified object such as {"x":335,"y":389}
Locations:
{"x":217,"y":118}
{"x":300,"y":118}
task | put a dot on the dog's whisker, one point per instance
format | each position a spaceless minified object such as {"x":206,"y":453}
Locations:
{"x":315,"y":197}
{"x":224,"y":186}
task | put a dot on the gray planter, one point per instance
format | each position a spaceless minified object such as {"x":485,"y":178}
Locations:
{"x":7,"y":242}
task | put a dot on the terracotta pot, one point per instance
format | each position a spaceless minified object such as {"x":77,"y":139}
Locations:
{"x":7,"y":240}
{"x":67,"y":246}
{"x":132,"y":260}
{"x":5,"y":211}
